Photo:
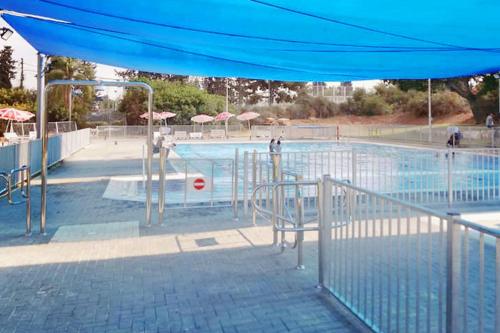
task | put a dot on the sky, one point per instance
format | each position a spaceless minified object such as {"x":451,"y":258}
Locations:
{"x":23,"y":50}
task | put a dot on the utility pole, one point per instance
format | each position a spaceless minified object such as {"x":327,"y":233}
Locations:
{"x":70,"y":102}
{"x":270,"y":92}
{"x":227,"y":96}
{"x":21,"y":84}
{"x":429,"y":106}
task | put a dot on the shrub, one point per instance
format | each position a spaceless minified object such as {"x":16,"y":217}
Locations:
{"x":363,"y":104}
{"x":392,"y":95}
{"x":443,"y":103}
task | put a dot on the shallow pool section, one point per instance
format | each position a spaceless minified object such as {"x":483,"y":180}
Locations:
{"x":411,"y":174}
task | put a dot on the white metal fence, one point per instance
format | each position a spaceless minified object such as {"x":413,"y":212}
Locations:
{"x":422,"y":176}
{"x":24,"y":129}
{"x":403,"y":268}
{"x":29,"y":152}
{"x":295,"y":132}
{"x":142,"y":131}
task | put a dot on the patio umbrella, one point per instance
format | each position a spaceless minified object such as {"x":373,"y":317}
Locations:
{"x":283,"y":121}
{"x":202,"y":119}
{"x":156,"y":116}
{"x":165,"y":115}
{"x":247,"y":116}
{"x":224,"y":116}
{"x":11,"y":115}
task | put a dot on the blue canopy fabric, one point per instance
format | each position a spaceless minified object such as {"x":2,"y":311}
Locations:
{"x":300,"y":40}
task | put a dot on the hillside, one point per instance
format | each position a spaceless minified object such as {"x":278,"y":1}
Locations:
{"x":394,"y":119}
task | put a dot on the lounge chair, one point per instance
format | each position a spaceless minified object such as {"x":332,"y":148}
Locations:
{"x":217,"y":134}
{"x":165,"y":130}
{"x":196,"y":135}
{"x":261,"y":133}
{"x":11,"y":137}
{"x":180,"y":135}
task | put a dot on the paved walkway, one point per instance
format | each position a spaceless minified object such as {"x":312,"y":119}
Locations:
{"x":100,"y":270}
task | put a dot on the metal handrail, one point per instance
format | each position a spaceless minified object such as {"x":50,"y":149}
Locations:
{"x":261,"y":211}
{"x":421,"y":209}
{"x":25,"y":173}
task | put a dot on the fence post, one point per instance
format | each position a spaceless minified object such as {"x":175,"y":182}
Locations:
{"x":299,"y":211}
{"x":354,"y":161}
{"x":28,"y":200}
{"x":497,"y":285}
{"x":450,"y":177}
{"x":245,"y":183}
{"x":254,"y":182}
{"x":161,"y":191}
{"x":325,"y":229}
{"x":235,"y":185}
{"x":453,"y":274}
{"x":276,"y":160}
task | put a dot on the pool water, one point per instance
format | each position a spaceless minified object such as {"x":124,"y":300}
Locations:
{"x":227,"y":150}
{"x":384,"y":169}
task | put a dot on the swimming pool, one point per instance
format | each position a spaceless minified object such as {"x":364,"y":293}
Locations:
{"x":411,"y":174}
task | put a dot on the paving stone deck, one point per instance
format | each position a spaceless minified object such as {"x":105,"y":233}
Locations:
{"x":100,"y":269}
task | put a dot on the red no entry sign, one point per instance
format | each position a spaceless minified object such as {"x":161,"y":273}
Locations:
{"x":199,"y":184}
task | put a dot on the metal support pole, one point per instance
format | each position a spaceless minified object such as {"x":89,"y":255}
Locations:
{"x":497,"y":285}
{"x":453,"y":275}
{"x":40,"y":84}
{"x":245,"y":183}
{"x":450,"y":178}
{"x":325,"y":229}
{"x":254,"y":183}
{"x":42,"y":122}
{"x":354,"y":167}
{"x":70,"y":103}
{"x":299,"y":211}
{"x":28,"y":201}
{"x":149,"y":182}
{"x":429,"y":107}
{"x":235,"y":184}
{"x":161,"y":177}
{"x":44,"y":135}
{"x":276,"y":160}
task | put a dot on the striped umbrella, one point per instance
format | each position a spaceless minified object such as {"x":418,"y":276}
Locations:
{"x":156,"y":116}
{"x":202,"y":119}
{"x":224,"y":116}
{"x":11,"y":115}
{"x":165,"y":115}
{"x":247,"y":116}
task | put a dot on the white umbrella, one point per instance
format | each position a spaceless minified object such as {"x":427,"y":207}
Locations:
{"x":11,"y":115}
{"x":247,"y":116}
{"x":202,"y":119}
{"x":165,"y":115}
{"x":156,"y":116}
{"x":224,"y":116}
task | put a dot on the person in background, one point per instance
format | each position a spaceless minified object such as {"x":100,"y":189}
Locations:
{"x":278,"y":146}
{"x":490,"y":123}
{"x":272,"y":146}
{"x":455,"y":137}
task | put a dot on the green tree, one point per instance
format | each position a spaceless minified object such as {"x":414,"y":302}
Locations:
{"x":18,"y":98}
{"x":63,"y":68}
{"x":480,"y":91}
{"x":133,"y":75}
{"x":7,"y":67}
{"x":183,"y":99}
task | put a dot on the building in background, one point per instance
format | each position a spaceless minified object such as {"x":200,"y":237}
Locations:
{"x":333,"y":92}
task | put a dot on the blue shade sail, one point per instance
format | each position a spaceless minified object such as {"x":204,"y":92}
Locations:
{"x":313,"y":40}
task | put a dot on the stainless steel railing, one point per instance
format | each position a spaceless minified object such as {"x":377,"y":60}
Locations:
{"x":401,"y":267}
{"x":19,"y":178}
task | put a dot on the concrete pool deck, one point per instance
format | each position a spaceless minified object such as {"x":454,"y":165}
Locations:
{"x":100,"y":270}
